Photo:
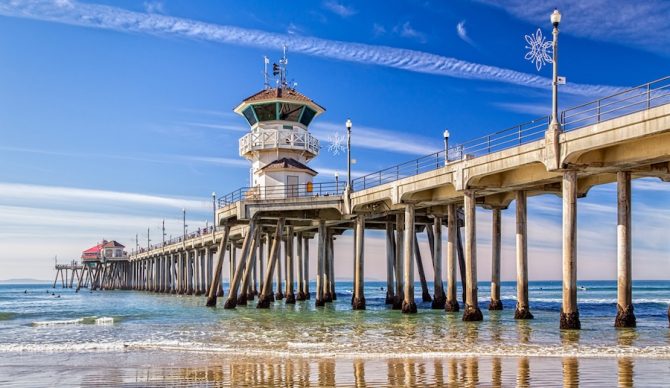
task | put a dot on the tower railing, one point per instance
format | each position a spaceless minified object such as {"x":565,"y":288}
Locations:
{"x":271,"y":138}
{"x":302,"y":190}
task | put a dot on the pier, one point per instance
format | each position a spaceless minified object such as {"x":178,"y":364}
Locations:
{"x":264,"y":231}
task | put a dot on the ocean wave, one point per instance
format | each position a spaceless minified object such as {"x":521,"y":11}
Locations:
{"x":77,"y":321}
{"x":6,"y":316}
{"x":304,"y":350}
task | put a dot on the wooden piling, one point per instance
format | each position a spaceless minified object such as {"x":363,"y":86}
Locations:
{"x":359,"y":285}
{"x":408,"y":304}
{"x":625,"y":316}
{"x":496,"y":239}
{"x":451,"y":304}
{"x":471,"y":310}
{"x":569,"y":312}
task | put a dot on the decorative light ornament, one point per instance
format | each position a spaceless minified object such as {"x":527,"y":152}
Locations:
{"x":540,"y":50}
{"x":336,"y":145}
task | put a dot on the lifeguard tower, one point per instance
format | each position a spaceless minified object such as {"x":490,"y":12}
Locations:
{"x":279,"y":144}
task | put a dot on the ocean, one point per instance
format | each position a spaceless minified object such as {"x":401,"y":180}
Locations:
{"x":128,"y":338}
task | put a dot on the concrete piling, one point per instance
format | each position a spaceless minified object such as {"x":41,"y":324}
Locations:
{"x":522,"y":306}
{"x":300,"y":257}
{"x":496,"y":237}
{"x":425,"y":294}
{"x":569,"y":312}
{"x":399,"y":261}
{"x":320,"y":264}
{"x":625,"y":316}
{"x":408,"y":304}
{"x":305,"y":286}
{"x":471,"y":310}
{"x":290,"y":266}
{"x":435,"y":240}
{"x":390,"y":261}
{"x":273,"y":257}
{"x":231,"y":301}
{"x":218,"y":268}
{"x":451,"y":304}
{"x":359,"y":297}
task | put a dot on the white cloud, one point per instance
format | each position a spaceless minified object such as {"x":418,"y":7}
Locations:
{"x":339,"y":8}
{"x":380,"y":139}
{"x":407,"y":31}
{"x":235,"y":128}
{"x":112,"y":18}
{"x":463,"y":33}
{"x":378,"y":30}
{"x":154,"y":7}
{"x":640,"y":24}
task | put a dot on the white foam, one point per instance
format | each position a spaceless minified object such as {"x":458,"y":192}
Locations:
{"x":104,"y":321}
{"x":77,"y":321}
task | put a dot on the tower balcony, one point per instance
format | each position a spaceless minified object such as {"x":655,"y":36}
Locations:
{"x":265,"y":139}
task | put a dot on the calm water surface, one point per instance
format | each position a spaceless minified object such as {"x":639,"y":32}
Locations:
{"x":137,"y":338}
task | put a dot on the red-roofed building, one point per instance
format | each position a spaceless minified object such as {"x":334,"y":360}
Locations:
{"x":104,"y":250}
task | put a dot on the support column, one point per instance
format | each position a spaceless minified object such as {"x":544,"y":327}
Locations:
{"x":425,"y":294}
{"x":305,"y":261}
{"x":390,"y":260}
{"x":452,"y":224}
{"x":471,"y":310}
{"x":196,"y":273}
{"x":248,"y":263}
{"x":359,"y":297}
{"x":399,"y":260}
{"x":320,"y":264}
{"x":273,"y":257}
{"x":331,"y":268}
{"x":522,"y":307}
{"x":569,"y":310}
{"x":205,"y":271}
{"x":279,"y":295}
{"x":327,"y":295}
{"x":301,"y":278}
{"x":290,"y":266}
{"x":408,"y":305}
{"x":231,"y":302}
{"x":175,"y":277}
{"x":496,"y":246}
{"x":189,"y":273}
{"x":261,"y":264}
{"x":218,"y":269}
{"x":435,"y":234}
{"x":625,"y":315}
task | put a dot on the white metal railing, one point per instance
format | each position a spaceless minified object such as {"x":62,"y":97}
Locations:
{"x":263,"y":139}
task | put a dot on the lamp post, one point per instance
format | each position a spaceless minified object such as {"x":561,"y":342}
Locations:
{"x":555,"y":20}
{"x":163,"y":232}
{"x":214,"y":211}
{"x":337,"y":182}
{"x":348,"y":124}
{"x":183,"y":212}
{"x":446,"y":146}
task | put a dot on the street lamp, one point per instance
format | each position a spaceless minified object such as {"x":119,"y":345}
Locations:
{"x":183,"y":212}
{"x":555,"y":20}
{"x":337,"y":182}
{"x":214,"y":210}
{"x":446,"y":146}
{"x":348,"y":124}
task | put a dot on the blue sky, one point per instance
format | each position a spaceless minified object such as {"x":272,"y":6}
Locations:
{"x":115,"y":115}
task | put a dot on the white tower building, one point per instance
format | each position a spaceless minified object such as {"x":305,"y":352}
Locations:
{"x":279,"y":144}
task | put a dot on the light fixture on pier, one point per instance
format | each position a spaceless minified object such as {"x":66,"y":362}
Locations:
{"x":555,"y":20}
{"x":446,"y":146}
{"x":348,"y":124}
{"x":214,"y":210}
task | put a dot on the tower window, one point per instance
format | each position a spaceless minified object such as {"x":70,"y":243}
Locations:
{"x":249,"y":115}
{"x":307,"y":116}
{"x":266,"y":112}
{"x":289,"y":112}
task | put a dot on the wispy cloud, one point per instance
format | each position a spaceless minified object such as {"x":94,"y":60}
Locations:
{"x":378,"y":29}
{"x":639,"y":24}
{"x":154,"y":7}
{"x":112,"y":18}
{"x":463,"y":33}
{"x":339,"y":8}
{"x":217,"y":160}
{"x":379,"y":139}
{"x":235,"y":128}
{"x":327,"y":174}
{"x":407,"y":31}
{"x":535,"y":109}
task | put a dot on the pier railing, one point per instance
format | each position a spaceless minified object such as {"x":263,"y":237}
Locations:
{"x":260,"y":193}
{"x":639,"y":98}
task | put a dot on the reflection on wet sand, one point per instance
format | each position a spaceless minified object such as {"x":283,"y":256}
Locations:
{"x":394,"y":372}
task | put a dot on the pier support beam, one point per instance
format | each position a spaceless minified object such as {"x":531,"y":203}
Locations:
{"x":569,"y":310}
{"x":625,"y":316}
{"x":471,"y":310}
{"x":408,"y":304}
{"x":301,"y":268}
{"x":231,"y":302}
{"x":399,"y":261}
{"x":327,"y":263}
{"x":320,"y":264}
{"x":332,"y":295}
{"x":261,"y":264}
{"x":218,"y":269}
{"x":305,"y":260}
{"x":522,"y":307}
{"x":496,"y":238}
{"x":435,"y":237}
{"x":451,"y":304}
{"x":390,"y":263}
{"x":425,"y":294}
{"x":273,"y":257}
{"x":290,"y":266}
{"x":358,"y":302}
{"x":247,"y":262}
{"x":279,"y":295}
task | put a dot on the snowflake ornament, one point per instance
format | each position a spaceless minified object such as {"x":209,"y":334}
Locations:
{"x":540,"y":50}
{"x":336,"y":145}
